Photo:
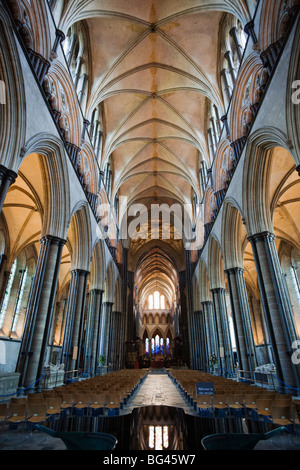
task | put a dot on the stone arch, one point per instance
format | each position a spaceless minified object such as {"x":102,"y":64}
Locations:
{"x":32,"y":19}
{"x":216,"y":273}
{"x":256,"y":207}
{"x":233,"y":235}
{"x":56,"y":175}
{"x":13,"y":109}
{"x":64,"y":101}
{"x":246,"y":95}
{"x":204,"y":284}
{"x":98,"y":264}
{"x":80,"y":237}
{"x":118,"y":295}
{"x":293,"y":97}
{"x":110,"y":283}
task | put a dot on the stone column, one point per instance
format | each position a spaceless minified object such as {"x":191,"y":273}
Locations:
{"x":210,"y":330}
{"x":228,"y":57}
{"x":238,"y":47}
{"x":97,"y":329}
{"x":39,"y":312}
{"x":277,"y":309}
{"x":76,"y":301}
{"x":242,"y":320}
{"x":7,"y":178}
{"x":223,"y":334}
{"x":78,"y":318}
{"x":95,"y":300}
{"x":104,"y":328}
{"x":228,"y":89}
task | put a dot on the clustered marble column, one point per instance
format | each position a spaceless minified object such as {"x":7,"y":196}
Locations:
{"x":91,"y":352}
{"x":7,"y":178}
{"x":224,"y":349}
{"x":116,"y":340}
{"x":70,"y":354}
{"x":276,"y":306}
{"x":38,"y":321}
{"x":241,"y":320}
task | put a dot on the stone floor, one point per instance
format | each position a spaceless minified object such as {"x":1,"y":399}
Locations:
{"x":156,"y":389}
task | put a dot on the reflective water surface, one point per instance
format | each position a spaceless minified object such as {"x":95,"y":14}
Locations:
{"x":162,"y":428}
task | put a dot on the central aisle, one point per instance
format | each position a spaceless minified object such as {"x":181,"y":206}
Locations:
{"x":158,"y":389}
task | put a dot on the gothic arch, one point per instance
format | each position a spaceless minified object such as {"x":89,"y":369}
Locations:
{"x":80,"y":238}
{"x":256,"y":207}
{"x":215,"y":264}
{"x":222,"y":165}
{"x":233,"y":235}
{"x":57,"y":209}
{"x":97,"y":276}
{"x":64,"y":101}
{"x":204,"y":284}
{"x":246,"y":94}
{"x":13,"y":110}
{"x":292,"y":97}
{"x":110,"y":283}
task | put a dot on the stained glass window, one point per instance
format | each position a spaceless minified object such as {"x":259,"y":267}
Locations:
{"x":166,"y":437}
{"x":168,"y":346}
{"x":151,"y":437}
{"x":157,"y":344}
{"x":156,"y":300}
{"x":161,"y":345}
{"x":7,"y":292}
{"x":158,"y":437}
{"x":147,"y":345}
{"x":152,"y":346}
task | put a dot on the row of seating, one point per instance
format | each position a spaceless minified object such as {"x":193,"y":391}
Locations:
{"x":233,"y":398}
{"x":99,"y":395}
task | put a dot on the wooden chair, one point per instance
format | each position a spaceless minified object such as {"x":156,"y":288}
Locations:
{"x":220,"y":404}
{"x":36,"y":414}
{"x":282,"y":415}
{"x":16,"y":414}
{"x":19,"y":401}
{"x":3,"y":412}
{"x":264,"y":407}
{"x":53,"y":406}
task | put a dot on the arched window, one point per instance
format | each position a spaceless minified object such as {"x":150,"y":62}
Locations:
{"x":151,"y":304}
{"x":157,"y":344}
{"x":158,"y":437}
{"x":19,"y":301}
{"x":147,"y":346}
{"x":162,"y":302}
{"x":156,"y":300}
{"x":7,"y":292}
{"x":168,"y":346}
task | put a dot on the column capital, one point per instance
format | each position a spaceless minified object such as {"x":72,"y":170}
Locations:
{"x":217,"y":290}
{"x":53,"y":240}
{"x":8,"y":174}
{"x":80,"y":272}
{"x":234,"y":270}
{"x":96,"y":291}
{"x":261,"y":237}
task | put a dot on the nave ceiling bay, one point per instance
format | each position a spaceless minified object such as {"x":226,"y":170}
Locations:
{"x":154,"y":69}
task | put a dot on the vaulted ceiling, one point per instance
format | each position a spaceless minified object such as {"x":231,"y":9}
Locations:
{"x":154,"y":67}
